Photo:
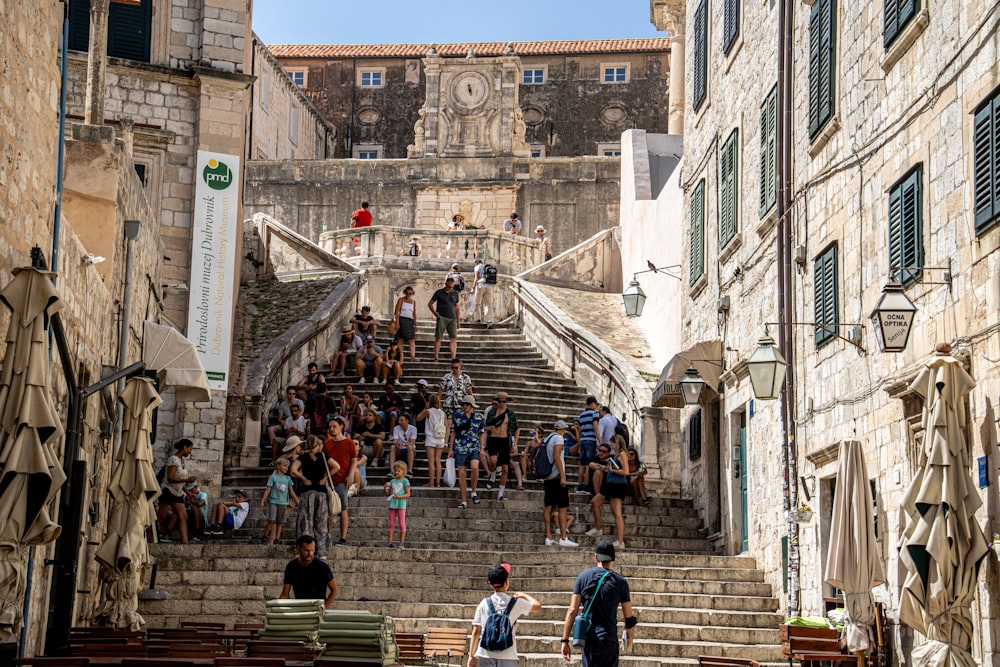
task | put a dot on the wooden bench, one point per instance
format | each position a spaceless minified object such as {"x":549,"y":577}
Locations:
{"x":79,"y":661}
{"x":813,"y":646}
{"x":446,"y":644}
{"x":411,"y":648}
{"x":717,"y":661}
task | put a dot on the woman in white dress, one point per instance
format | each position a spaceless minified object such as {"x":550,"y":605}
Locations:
{"x":435,"y":437}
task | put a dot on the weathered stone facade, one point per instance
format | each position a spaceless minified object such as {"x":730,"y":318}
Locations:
{"x":895,"y":109}
{"x":572,"y":113}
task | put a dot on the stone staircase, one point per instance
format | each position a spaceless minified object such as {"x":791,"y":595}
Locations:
{"x":689,"y":601}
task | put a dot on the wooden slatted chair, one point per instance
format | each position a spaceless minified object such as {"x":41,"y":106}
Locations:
{"x":446,"y":644}
{"x":158,"y":662}
{"x":249,"y":662}
{"x":203,"y":625}
{"x":718,"y":661}
{"x":812,"y":647}
{"x":44,"y":661}
{"x":202,"y":650}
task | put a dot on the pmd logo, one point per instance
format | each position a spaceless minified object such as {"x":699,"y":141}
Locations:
{"x":217,"y":175}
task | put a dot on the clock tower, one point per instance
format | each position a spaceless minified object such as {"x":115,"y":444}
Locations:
{"x":471,"y":108}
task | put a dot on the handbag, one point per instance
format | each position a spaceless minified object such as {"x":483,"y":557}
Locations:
{"x":450,"y":476}
{"x":393,"y":328}
{"x":581,"y":626}
{"x":332,"y":497}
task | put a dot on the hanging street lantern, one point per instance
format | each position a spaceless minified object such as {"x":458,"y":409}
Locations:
{"x":691,"y":386}
{"x":767,"y":370}
{"x":634,"y":299}
{"x":892,"y":318}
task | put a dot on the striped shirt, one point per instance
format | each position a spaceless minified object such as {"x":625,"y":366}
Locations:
{"x":587,"y":419}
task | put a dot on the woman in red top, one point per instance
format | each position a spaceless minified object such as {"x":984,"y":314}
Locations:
{"x":344,"y":452}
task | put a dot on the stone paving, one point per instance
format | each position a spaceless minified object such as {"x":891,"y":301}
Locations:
{"x":604,"y":316}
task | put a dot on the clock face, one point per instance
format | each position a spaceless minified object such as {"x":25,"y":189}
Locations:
{"x":470,"y":89}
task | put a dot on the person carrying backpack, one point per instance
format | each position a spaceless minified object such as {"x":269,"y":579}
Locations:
{"x":493,"y":642}
{"x":556,"y":491}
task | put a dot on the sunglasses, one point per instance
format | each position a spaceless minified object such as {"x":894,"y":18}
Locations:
{"x":603,"y":451}
{"x":501,"y":400}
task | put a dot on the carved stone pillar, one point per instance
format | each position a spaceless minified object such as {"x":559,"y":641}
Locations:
{"x":97,"y":62}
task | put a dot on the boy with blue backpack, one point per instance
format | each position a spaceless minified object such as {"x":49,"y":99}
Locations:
{"x":493,"y":643}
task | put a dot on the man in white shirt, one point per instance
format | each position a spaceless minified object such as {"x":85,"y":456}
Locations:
{"x":499,"y":601}
{"x":404,"y":442}
{"x":606,"y":425}
{"x":512,"y":225}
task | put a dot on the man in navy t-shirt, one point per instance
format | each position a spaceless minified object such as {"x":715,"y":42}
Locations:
{"x":307,"y":576}
{"x":601,"y":647}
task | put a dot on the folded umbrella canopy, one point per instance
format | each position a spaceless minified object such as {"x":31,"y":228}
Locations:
{"x":176,"y":360}
{"x":30,"y":435}
{"x":852,"y":563}
{"x":124,"y":554}
{"x":942,"y":546}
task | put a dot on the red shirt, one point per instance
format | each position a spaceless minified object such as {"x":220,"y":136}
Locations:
{"x":361,"y":218}
{"x":343,"y":452}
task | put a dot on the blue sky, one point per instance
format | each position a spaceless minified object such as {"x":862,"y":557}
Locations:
{"x":401,"y":21}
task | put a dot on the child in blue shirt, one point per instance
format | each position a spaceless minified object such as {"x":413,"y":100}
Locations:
{"x":398,"y":490}
{"x":277,"y":494}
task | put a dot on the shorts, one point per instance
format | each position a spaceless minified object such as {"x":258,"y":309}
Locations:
{"x":500,"y":448}
{"x":368,"y":451}
{"x":463,"y":459}
{"x":444,"y":325}
{"x":611,"y":490}
{"x":227,"y":522}
{"x":341,"y":490}
{"x":276,"y":513}
{"x":556,"y":495}
{"x":167,"y":498}
{"x":588,"y":451}
{"x":600,"y":653}
{"x":497,"y":662}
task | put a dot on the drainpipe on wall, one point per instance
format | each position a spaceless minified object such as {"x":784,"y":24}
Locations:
{"x":786,"y":311}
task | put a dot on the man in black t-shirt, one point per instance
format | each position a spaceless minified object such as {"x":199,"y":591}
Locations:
{"x":307,"y":576}
{"x":601,"y":647}
{"x":444,"y":306}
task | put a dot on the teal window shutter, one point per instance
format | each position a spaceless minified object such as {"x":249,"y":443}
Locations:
{"x":906,"y":247}
{"x":986,"y":164}
{"x":822,"y":64}
{"x":898,"y":13}
{"x":825,"y":307}
{"x":768,"y":152}
{"x":697,"y":232}
{"x":79,"y":25}
{"x":700,"y":54}
{"x":730,"y":24}
{"x":129,"y":28}
{"x":728,"y":195}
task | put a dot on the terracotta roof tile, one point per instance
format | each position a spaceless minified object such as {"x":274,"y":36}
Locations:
{"x":569,"y":47}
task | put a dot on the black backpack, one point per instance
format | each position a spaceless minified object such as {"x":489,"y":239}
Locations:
{"x":490,"y":274}
{"x":498,"y":631}
{"x":540,"y":466}
{"x":622,"y":430}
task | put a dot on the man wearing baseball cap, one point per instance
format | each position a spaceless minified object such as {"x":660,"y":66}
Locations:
{"x":499,"y":602}
{"x":556,"y":489}
{"x":608,"y":589}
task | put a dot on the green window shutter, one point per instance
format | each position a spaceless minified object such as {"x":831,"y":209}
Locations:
{"x":700,"y":54}
{"x":768,"y":152}
{"x":986,"y":164}
{"x":697,"y":232}
{"x":825,"y":307}
{"x":128,"y":30}
{"x":728,"y":195}
{"x":730,"y":24}
{"x":79,"y":25}
{"x":906,"y":247}
{"x":822,"y":64}
{"x":897,"y":14}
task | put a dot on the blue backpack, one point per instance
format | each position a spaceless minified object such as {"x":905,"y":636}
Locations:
{"x":498,"y":631}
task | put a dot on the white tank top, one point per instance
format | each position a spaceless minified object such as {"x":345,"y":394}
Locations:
{"x":406,"y":310}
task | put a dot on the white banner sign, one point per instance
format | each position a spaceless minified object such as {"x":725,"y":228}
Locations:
{"x":213,"y":262}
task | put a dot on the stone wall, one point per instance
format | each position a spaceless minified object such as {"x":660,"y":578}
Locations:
{"x":893,"y":111}
{"x":572,"y":198}
{"x":594,"y":264}
{"x":568,"y":115}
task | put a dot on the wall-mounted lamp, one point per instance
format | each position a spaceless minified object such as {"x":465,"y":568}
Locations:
{"x":767,"y":369}
{"x":633,"y":297}
{"x":892,"y":317}
{"x":692,"y":383}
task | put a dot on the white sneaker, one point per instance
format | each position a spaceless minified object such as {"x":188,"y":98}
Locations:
{"x":618,"y":545}
{"x":593,"y":532}
{"x":568,"y":543}
{"x":353,"y":491}
{"x":550,"y":542}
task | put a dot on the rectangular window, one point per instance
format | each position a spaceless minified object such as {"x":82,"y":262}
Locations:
{"x":822,"y":64}
{"x":729,"y":190}
{"x":609,"y":150}
{"x":265,"y":89}
{"x":129,"y":28}
{"x":537,"y":150}
{"x":986,"y":163}
{"x":370,"y":78}
{"x":531,"y":77}
{"x":367,"y":151}
{"x":293,"y":122}
{"x":616,"y":74}
{"x":700,"y":54}
{"x":697,"y":232}
{"x":898,"y":13}
{"x":768,"y":152}
{"x":906,"y":243}
{"x":825,"y":295}
{"x":730,"y":24}
{"x":300,"y":77}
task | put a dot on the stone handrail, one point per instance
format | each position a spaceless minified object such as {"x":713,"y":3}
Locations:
{"x":511,"y":254}
{"x":285,"y":359}
{"x":274,"y":248}
{"x":583,"y":356}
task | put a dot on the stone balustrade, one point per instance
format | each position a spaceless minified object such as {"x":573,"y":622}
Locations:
{"x":379,"y":244}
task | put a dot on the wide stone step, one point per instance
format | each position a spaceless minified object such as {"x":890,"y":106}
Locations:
{"x":669,"y":648}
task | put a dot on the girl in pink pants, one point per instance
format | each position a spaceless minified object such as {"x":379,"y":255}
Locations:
{"x":398,"y":490}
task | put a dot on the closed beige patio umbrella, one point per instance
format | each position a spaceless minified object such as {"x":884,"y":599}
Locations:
{"x":124,"y":554}
{"x":852,"y":563}
{"x":30,"y":434}
{"x":942,"y":546}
